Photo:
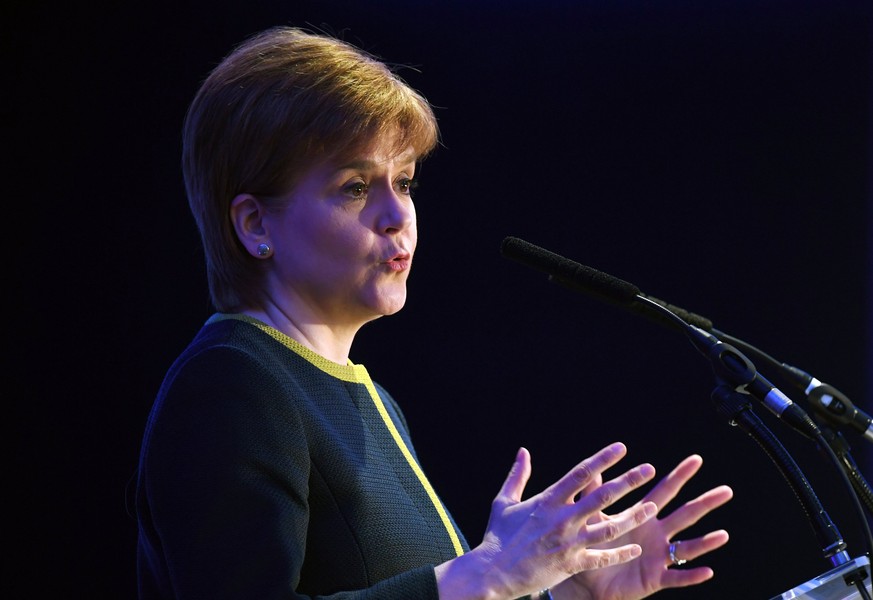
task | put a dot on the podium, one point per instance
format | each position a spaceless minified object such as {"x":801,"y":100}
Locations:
{"x":831,"y":585}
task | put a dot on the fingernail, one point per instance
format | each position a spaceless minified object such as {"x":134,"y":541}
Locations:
{"x":616,"y":449}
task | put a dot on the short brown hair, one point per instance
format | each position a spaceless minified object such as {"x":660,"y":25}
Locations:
{"x":278,"y":103}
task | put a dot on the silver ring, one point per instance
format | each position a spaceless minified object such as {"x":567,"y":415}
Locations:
{"x":673,"y":558}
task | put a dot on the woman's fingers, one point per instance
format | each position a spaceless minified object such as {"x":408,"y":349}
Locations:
{"x":688,"y":550}
{"x":609,"y":528}
{"x":516,"y":480}
{"x":592,"y":558}
{"x":608,"y":493}
{"x":566,"y":529}
{"x":595,"y":483}
{"x":583,"y":475}
{"x":669,"y":487}
{"x":585,"y":480}
{"x":692,"y":511}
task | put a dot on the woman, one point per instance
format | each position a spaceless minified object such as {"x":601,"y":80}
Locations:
{"x":272,"y":466}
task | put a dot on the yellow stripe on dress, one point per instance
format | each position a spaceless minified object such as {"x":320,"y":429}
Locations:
{"x":356,"y":374}
{"x":380,"y":406}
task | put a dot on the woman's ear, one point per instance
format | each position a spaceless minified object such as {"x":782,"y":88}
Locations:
{"x":248,"y":217}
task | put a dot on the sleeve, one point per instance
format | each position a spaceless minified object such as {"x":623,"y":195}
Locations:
{"x":225,"y":481}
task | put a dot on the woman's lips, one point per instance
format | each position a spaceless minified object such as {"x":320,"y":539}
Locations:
{"x":400,"y":262}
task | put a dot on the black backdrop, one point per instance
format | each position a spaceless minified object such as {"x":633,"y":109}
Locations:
{"x":716,"y":154}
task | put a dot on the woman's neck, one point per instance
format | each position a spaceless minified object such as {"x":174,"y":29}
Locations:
{"x":332,"y":342}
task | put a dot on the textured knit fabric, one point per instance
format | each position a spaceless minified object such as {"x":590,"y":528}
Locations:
{"x":268,"y":471}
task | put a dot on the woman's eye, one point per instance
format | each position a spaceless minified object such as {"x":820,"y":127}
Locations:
{"x":357,"y":190}
{"x":407,"y":185}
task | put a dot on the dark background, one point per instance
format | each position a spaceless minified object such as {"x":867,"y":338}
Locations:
{"x":716,"y":154}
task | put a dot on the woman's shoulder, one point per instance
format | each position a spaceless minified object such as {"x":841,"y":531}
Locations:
{"x":235,"y":353}
{"x":228,"y":335}
{"x":228,"y":373}
{"x":223,"y":354}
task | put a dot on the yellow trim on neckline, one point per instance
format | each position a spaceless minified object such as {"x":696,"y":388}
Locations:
{"x":355,"y":374}
{"x":349,"y":372}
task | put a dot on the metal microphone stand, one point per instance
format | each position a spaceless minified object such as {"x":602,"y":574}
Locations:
{"x":840,"y":582}
{"x":737,"y":383}
{"x":800,"y":380}
{"x":737,"y":380}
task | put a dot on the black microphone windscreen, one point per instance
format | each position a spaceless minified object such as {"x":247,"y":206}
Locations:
{"x":569,"y":273}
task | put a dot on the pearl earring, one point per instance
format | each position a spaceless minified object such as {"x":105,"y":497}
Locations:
{"x":264,"y":249}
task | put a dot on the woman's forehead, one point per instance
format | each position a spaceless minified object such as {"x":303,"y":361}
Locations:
{"x":380,"y":151}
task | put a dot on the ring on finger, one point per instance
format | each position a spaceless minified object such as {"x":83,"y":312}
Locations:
{"x":673,"y":558}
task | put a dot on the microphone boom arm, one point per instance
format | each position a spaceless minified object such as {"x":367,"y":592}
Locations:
{"x":736,"y":380}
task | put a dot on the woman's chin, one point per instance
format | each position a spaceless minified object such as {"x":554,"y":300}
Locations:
{"x":391,"y":304}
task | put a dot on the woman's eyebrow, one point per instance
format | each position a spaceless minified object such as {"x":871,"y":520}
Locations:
{"x":365,"y":164}
{"x":358,"y":165}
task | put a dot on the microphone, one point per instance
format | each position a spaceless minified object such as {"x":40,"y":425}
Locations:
{"x":832,"y":405}
{"x":569,"y":273}
{"x":731,"y":366}
{"x":728,"y":363}
{"x":596,"y":283}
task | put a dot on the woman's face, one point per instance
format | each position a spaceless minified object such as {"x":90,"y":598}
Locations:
{"x":344,"y":243}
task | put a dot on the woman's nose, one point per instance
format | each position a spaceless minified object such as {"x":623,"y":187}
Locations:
{"x":397,"y":211}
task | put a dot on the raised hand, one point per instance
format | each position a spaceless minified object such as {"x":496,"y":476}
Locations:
{"x":538,"y":542}
{"x":656,"y":569}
